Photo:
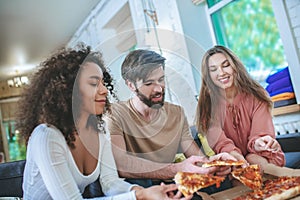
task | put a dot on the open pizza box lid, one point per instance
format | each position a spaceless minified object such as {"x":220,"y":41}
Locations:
{"x":280,"y":171}
{"x":270,"y":171}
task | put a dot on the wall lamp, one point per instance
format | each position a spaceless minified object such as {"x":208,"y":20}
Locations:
{"x":17,"y":81}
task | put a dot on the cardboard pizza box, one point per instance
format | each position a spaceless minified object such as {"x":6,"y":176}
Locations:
{"x":230,"y":193}
{"x":280,"y":171}
{"x":270,"y":171}
{"x":233,"y":193}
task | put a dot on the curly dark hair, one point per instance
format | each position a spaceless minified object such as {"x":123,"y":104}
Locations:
{"x":49,"y":97}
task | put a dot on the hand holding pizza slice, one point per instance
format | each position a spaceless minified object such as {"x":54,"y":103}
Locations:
{"x":249,"y":176}
{"x":224,"y":166}
{"x":188,"y":183}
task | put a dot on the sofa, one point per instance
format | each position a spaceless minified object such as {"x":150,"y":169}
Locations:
{"x":11,"y":177}
{"x":290,"y":144}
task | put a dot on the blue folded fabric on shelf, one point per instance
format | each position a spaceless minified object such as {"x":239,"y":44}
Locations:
{"x":282,"y":90}
{"x":279,"y":84}
{"x":284,"y":102}
{"x":278,"y":75}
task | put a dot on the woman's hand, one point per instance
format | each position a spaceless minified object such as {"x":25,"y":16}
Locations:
{"x":266,"y":143}
{"x":222,"y":171}
{"x":239,"y":156}
{"x":222,"y":156}
{"x":256,"y":159}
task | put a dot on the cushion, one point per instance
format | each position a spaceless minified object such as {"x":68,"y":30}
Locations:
{"x":11,"y":178}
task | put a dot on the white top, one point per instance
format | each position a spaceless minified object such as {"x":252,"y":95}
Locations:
{"x":51,"y":172}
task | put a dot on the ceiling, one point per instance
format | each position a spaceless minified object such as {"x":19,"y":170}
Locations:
{"x":33,"y":29}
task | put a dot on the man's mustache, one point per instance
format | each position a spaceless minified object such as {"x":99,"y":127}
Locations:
{"x":157,"y":93}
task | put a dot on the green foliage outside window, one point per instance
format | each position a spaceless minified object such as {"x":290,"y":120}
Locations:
{"x":248,"y":27}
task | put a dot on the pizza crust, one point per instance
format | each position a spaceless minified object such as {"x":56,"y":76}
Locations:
{"x":223,"y":163}
{"x":285,"y":194}
{"x":280,"y":188}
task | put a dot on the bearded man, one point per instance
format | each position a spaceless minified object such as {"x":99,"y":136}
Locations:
{"x":147,"y":132}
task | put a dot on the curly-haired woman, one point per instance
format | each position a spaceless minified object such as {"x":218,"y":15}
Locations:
{"x":68,"y":145}
{"x":234,"y":111}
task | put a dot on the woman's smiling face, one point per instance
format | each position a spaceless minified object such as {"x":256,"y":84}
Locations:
{"x":92,"y":89}
{"x":220,"y":71}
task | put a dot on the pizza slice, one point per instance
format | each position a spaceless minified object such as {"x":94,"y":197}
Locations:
{"x":280,"y":188}
{"x":188,"y":183}
{"x":223,"y":163}
{"x":249,"y":176}
{"x":283,"y":187}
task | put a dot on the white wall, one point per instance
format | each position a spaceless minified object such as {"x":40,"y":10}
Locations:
{"x":115,"y":27}
{"x":287,"y":13}
{"x":182,"y":35}
{"x":198,"y":36}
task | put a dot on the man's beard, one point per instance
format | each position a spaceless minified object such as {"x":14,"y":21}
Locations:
{"x":149,"y":102}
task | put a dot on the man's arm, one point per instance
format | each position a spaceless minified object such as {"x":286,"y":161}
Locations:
{"x":190,"y":148}
{"x":130,"y":166}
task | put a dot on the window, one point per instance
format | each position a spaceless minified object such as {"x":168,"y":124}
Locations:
{"x":16,"y":144}
{"x":248,"y":28}
{"x":12,"y":144}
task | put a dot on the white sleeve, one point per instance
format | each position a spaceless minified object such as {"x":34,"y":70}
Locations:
{"x":109,"y":178}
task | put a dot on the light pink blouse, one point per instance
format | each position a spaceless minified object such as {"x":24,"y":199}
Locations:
{"x":240,"y":124}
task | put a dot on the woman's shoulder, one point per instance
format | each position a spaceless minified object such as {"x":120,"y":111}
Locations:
{"x":250,"y":98}
{"x":47,"y":131}
{"x":251,"y":103}
{"x":245,"y":97}
{"x":45,"y":139}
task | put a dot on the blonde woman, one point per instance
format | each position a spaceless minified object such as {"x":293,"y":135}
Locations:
{"x":234,"y":111}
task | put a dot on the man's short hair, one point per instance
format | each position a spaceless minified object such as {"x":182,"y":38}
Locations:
{"x":138,"y":64}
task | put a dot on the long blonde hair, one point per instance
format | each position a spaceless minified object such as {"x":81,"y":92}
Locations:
{"x":210,"y":93}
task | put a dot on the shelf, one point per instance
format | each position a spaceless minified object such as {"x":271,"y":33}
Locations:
{"x":286,"y":109}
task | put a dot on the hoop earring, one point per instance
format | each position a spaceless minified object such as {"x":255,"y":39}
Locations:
{"x":100,"y":125}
